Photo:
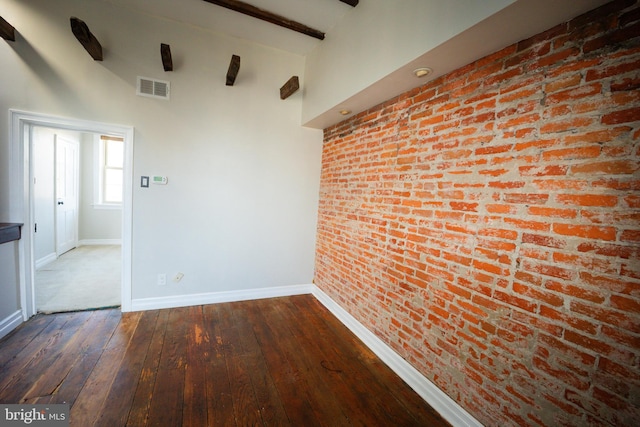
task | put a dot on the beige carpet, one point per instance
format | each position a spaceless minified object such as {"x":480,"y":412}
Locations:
{"x":84,"y":278}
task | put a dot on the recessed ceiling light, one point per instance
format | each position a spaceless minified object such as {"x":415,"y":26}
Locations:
{"x":423,"y":71}
{"x":345,"y":112}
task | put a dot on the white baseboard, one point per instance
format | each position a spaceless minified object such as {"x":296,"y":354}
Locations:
{"x":10,"y":322}
{"x":218,"y":297}
{"x":46,"y":260}
{"x":436,"y":398}
{"x":92,"y":242}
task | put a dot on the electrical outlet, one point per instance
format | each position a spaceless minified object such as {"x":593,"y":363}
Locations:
{"x":162,"y":279}
{"x":178,"y":277}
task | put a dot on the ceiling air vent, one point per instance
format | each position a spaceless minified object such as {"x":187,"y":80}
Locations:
{"x":152,"y":88}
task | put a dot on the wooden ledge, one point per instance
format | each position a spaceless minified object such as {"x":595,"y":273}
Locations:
{"x":9,"y":231}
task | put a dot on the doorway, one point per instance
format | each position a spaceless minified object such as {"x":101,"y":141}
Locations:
{"x":23,"y":197}
{"x":77,"y":239}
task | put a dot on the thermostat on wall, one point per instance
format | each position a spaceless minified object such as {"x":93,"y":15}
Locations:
{"x":162,"y":180}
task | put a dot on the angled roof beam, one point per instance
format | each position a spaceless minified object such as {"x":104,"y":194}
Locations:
{"x":353,"y":3}
{"x":7,"y":31}
{"x":255,"y":12}
{"x":165,"y":54}
{"x":234,"y":67}
{"x":290,"y":87}
{"x":86,"y":38}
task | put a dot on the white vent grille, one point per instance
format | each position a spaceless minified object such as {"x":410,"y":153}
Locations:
{"x":153,"y":88}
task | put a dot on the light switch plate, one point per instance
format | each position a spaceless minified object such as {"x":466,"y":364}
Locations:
{"x":144,"y":181}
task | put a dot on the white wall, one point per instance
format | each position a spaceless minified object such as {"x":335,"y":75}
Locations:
{"x":240,"y":208}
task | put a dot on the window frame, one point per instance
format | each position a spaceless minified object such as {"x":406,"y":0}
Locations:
{"x":100,"y":171}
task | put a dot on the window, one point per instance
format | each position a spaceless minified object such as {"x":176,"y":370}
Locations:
{"x":110,"y":171}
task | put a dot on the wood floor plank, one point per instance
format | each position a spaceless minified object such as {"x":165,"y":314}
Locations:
{"x":168,"y":392}
{"x":219,"y":399}
{"x":269,"y":402}
{"x":290,"y":380}
{"x":91,"y":401}
{"x":57,"y":371}
{"x":353,"y":382}
{"x":195,"y":383}
{"x":122,"y":390}
{"x":69,"y":389}
{"x":318,"y":385}
{"x":17,"y":364}
{"x":391,"y":384}
{"x":330,"y":368}
{"x":51,"y":350}
{"x":12,"y":344}
{"x":245,"y":404}
{"x":146,"y":383}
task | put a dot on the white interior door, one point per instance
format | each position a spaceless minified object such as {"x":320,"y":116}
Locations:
{"x":66,"y":171}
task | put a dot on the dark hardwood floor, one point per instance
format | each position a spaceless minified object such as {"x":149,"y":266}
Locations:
{"x":282,"y":361}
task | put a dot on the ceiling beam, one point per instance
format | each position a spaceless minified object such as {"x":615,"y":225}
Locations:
{"x":290,"y":87}
{"x":165,"y":54}
{"x":86,"y":39}
{"x":255,"y":12}
{"x":353,"y":3}
{"x":232,"y":72}
{"x":7,"y":31}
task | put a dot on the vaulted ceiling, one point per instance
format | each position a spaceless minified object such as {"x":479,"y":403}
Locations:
{"x":321,"y":15}
{"x":517,"y":20}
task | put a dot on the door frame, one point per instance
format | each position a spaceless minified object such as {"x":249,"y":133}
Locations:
{"x":21,"y":195}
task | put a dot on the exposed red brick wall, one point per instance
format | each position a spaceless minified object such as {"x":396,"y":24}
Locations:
{"x":487,"y":226}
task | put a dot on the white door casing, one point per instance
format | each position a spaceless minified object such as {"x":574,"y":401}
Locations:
{"x":42,"y":163}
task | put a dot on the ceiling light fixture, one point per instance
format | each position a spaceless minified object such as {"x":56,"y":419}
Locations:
{"x":345,"y":112}
{"x":423,"y":71}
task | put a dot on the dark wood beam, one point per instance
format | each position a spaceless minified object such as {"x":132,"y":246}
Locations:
{"x":234,"y":67}
{"x":7,"y":31}
{"x":255,"y":12}
{"x":353,"y":3}
{"x":165,"y":52}
{"x":86,"y":39}
{"x":289,"y":87}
